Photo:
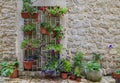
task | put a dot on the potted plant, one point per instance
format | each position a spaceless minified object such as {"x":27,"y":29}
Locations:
{"x":72,"y":76}
{"x":116,"y":74}
{"x":28,"y":62}
{"x":45,"y":28}
{"x":29,"y":28}
{"x":54,"y":48}
{"x":65,"y":69}
{"x":28,"y":10}
{"x":93,"y":71}
{"x":57,"y":32}
{"x":52,"y":67}
{"x":56,"y":11}
{"x":9,"y":69}
{"x":77,"y":73}
{"x":29,"y":46}
{"x":78,"y":65}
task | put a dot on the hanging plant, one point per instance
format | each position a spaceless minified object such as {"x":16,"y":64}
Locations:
{"x":28,"y":11}
{"x":57,"y":32}
{"x":43,"y":8}
{"x":29,"y":28}
{"x":56,"y":11}
{"x":46,"y":28}
{"x":29,"y":44}
{"x":54,"y":48}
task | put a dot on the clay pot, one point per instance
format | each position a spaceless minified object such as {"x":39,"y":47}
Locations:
{"x":64,"y":75}
{"x":28,"y":64}
{"x":78,"y":79}
{"x":35,"y":15}
{"x":26,"y":15}
{"x":116,"y":76}
{"x":43,"y":31}
{"x":14,"y":74}
{"x":28,"y":33}
{"x":72,"y":77}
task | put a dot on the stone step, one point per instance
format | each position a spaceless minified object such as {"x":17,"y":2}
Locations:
{"x":110,"y":79}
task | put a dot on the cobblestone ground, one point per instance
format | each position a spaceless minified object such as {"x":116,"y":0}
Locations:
{"x":57,"y":80}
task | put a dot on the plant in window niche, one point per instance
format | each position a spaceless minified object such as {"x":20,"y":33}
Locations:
{"x":45,"y":28}
{"x":29,"y":28}
{"x":28,"y":11}
{"x":56,"y":11}
{"x":57,"y":32}
{"x":29,"y":44}
{"x":55,"y":48}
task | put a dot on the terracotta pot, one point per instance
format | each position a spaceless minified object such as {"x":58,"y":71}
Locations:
{"x":72,"y":77}
{"x":35,"y":15}
{"x":28,"y":64}
{"x":43,"y":31}
{"x":116,"y":76}
{"x":26,"y":15}
{"x":28,"y":33}
{"x":78,"y":79}
{"x":64,"y":75}
{"x":14,"y":74}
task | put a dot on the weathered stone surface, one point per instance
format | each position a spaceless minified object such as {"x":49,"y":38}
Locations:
{"x":95,"y":24}
{"x":8,"y":22}
{"x":91,"y":26}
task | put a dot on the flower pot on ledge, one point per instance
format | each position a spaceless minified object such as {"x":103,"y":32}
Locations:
{"x":116,"y":76}
{"x":26,"y":15}
{"x":14,"y":74}
{"x":28,"y":64}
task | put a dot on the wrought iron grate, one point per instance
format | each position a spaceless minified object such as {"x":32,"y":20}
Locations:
{"x":41,"y":55}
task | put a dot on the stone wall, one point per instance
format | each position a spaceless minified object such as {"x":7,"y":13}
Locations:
{"x":92,"y":26}
{"x":8,"y":29}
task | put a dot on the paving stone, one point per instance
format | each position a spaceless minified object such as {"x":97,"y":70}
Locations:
{"x":106,"y":79}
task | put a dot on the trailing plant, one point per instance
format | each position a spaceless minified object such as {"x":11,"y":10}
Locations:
{"x":27,"y":7}
{"x":56,"y":11}
{"x":54,"y":47}
{"x":57,"y":31}
{"x":8,"y":68}
{"x":29,"y":44}
{"x":29,"y":27}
